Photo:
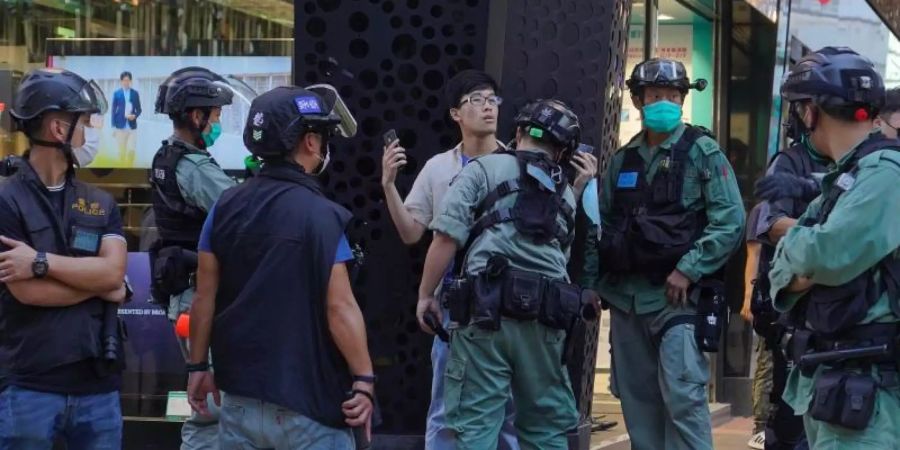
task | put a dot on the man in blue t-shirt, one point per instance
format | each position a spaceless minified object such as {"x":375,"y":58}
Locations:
{"x":273,"y":299}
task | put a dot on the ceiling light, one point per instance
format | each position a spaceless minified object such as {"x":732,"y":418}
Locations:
{"x":664,"y":17}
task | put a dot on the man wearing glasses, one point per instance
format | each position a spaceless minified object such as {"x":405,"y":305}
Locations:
{"x":474,"y":106}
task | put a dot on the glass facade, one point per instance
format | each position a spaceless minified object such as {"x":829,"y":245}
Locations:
{"x":249,"y":42}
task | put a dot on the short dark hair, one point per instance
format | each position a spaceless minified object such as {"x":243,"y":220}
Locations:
{"x":125,"y":74}
{"x":891,"y":102}
{"x":466,"y":82}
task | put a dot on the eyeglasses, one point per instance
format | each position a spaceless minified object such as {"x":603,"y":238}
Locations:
{"x":478,"y":100}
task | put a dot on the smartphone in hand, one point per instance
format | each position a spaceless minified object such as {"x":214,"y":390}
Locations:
{"x":432,"y":322}
{"x":390,"y":137}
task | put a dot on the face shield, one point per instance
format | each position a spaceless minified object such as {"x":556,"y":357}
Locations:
{"x":92,"y":94}
{"x":347,"y":126}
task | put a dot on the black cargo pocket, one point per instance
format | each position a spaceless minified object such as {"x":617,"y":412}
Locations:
{"x":561,"y":305}
{"x":828,"y":398}
{"x":859,"y":401}
{"x":522,"y":295}
{"x":454,"y":378}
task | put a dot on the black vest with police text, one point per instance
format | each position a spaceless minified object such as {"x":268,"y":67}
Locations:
{"x":38,"y":339}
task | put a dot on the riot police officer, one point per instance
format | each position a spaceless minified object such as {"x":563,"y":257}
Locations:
{"x":672,"y":215}
{"x":512,"y":213}
{"x":186,"y":182}
{"x":836,"y":271}
{"x":792,"y":181}
{"x":62,"y":265}
{"x":273,"y":297}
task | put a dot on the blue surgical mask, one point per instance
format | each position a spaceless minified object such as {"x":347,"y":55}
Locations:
{"x":215,"y":130}
{"x":663,"y":116}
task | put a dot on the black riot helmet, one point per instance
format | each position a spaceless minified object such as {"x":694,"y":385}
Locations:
{"x":49,"y":89}
{"x":192,"y":87}
{"x":280,"y":117}
{"x":662,"y":73}
{"x":839,"y":80}
{"x":551,"y":121}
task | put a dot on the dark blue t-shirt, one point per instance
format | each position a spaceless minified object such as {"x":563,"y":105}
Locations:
{"x":344,"y":253}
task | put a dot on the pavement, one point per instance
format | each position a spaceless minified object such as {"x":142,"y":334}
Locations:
{"x":731,"y":435}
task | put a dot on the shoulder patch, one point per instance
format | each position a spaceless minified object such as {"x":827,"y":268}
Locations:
{"x":708,"y":146}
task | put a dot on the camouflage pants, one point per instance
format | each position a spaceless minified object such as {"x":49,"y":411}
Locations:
{"x":762,"y":386}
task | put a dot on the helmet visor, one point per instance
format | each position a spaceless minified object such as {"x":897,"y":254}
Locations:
{"x":92,"y":93}
{"x":660,"y":71}
{"x":347,"y":126}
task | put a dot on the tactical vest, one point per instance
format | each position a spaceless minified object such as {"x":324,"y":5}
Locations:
{"x":649,"y":229}
{"x":539,"y":189}
{"x":177,"y":222}
{"x":37,"y":339}
{"x":802,"y":165}
{"x":833,"y":310}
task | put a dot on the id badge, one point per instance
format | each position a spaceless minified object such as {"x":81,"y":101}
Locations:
{"x":627,"y":180}
{"x":85,"y":241}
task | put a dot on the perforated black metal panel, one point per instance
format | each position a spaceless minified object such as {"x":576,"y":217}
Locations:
{"x":390,"y":60}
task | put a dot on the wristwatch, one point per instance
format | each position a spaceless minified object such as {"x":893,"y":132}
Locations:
{"x":40,"y":267}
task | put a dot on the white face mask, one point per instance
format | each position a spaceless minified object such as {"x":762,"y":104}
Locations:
{"x":324,"y":161}
{"x":85,"y":154}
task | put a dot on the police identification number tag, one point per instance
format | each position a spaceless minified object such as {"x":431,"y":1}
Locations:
{"x":627,"y":180}
{"x":85,"y":241}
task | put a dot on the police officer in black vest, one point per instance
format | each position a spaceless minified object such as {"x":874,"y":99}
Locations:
{"x":792,"y":182}
{"x":273,"y":293}
{"x":61,"y":274}
{"x":186,"y":181}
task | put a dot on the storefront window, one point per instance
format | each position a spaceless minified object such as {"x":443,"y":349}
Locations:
{"x":250,"y":43}
{"x":845,"y":23}
{"x":683,"y":35}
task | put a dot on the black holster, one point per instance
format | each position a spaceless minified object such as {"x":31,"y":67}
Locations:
{"x":113,"y":335}
{"x":712,"y":313}
{"x":172,"y":270}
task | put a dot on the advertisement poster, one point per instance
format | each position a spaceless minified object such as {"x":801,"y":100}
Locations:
{"x":676,"y":42}
{"x":153,"y":359}
{"x":132,"y":132}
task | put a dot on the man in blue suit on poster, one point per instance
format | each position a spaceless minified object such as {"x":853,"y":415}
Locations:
{"x":126,"y":107}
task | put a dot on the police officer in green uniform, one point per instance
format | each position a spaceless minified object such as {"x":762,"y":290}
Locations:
{"x":513,"y":214}
{"x":186,"y":182}
{"x":672,"y":215}
{"x":836,"y":272}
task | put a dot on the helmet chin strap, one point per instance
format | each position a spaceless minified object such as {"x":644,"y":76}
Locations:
{"x":66,"y":146}
{"x":203,"y":123}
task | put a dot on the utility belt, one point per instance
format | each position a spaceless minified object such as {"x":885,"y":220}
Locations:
{"x":173,"y":269}
{"x":711,"y":317}
{"x":499,"y":291}
{"x":845,"y":392}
